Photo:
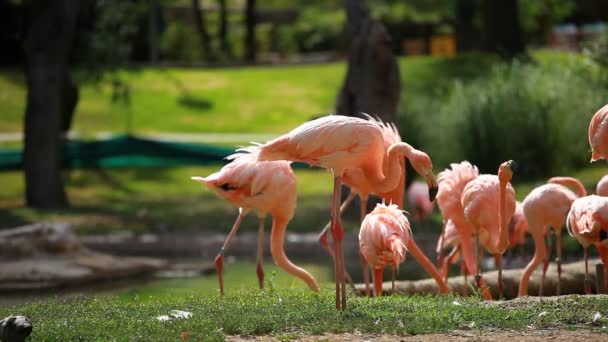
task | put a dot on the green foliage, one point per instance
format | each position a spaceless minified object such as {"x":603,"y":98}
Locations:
{"x":293,"y":312}
{"x":535,"y":114}
{"x":108,"y":44}
{"x":538,"y":17}
{"x":180,"y":42}
{"x":319,"y":29}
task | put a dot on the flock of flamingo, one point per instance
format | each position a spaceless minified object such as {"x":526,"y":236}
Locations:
{"x":367,"y":155}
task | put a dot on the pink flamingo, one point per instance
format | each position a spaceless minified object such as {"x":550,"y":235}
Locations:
{"x":546,"y":208}
{"x":418,"y":200}
{"x":602,"y":187}
{"x":383,"y":238}
{"x":587,"y":221}
{"x":363,"y":187}
{"x":340,"y":143}
{"x":598,"y":134}
{"x":451,"y":238}
{"x":489,"y":203}
{"x":446,"y":257}
{"x":265,"y":188}
{"x":518,"y":227}
{"x":451,"y":186}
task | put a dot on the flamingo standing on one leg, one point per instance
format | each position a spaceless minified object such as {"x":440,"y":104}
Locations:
{"x":418,"y":200}
{"x":545,"y":208}
{"x":340,"y":143}
{"x":489,"y":203}
{"x":266,"y":188}
{"x":451,"y":185}
{"x":598,"y":134}
{"x":358,"y":184}
{"x":602,"y":186}
{"x":587,"y":221}
{"x":383,"y":239}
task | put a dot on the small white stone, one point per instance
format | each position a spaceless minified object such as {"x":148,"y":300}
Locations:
{"x":596,"y":317}
{"x":543,"y":314}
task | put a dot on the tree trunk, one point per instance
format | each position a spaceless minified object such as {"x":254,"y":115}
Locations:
{"x":467,"y":36}
{"x":250,"y":19}
{"x":201,"y":28}
{"x":372,"y":83}
{"x":223,"y":31}
{"x":153,"y":23}
{"x":501,"y":29}
{"x":50,"y":95}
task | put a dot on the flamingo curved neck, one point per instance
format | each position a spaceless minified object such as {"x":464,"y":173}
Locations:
{"x":579,"y":188}
{"x":277,"y":250}
{"x":392,"y":175}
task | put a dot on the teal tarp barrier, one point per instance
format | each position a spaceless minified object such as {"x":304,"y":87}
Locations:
{"x":129,"y":151}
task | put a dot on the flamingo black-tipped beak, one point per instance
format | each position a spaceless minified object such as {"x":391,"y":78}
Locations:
{"x":433,"y":193}
{"x":513,"y":166}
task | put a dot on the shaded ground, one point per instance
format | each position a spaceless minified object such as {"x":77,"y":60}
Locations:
{"x":457,"y":335}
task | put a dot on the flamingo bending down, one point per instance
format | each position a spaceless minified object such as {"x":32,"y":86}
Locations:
{"x":358,"y":184}
{"x":383,"y":238}
{"x":340,"y":143}
{"x":418,"y":201}
{"x":598,"y":134}
{"x":587,"y":221}
{"x":489,"y":203}
{"x":602,"y":186}
{"x":546,"y":208}
{"x":451,"y":186}
{"x":266,"y":188}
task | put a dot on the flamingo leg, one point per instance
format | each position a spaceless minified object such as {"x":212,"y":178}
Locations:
{"x":363,"y":212}
{"x":545,"y":264}
{"x":463,"y":269}
{"x":219,"y":259}
{"x":604,"y":256}
{"x":558,"y":260}
{"x":324,"y":233}
{"x":378,"y":281}
{"x":394,"y":275}
{"x":338,"y":235}
{"x":260,"y":254}
{"x":587,"y":280}
{"x":469,"y":256}
{"x":498,"y":261}
{"x":539,"y":255}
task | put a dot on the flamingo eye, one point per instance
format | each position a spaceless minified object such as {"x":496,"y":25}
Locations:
{"x":226,"y":187}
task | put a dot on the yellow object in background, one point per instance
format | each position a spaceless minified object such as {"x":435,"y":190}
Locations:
{"x":443,"y":46}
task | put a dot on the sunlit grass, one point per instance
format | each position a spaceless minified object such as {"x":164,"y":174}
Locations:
{"x":293,"y":313}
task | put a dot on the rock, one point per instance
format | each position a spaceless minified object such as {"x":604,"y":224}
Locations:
{"x":15,"y":329}
{"x":51,"y":255}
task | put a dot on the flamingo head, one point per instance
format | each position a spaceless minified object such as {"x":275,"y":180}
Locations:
{"x":421,"y":162}
{"x":506,"y":170}
{"x":220,"y":187}
{"x":598,"y":139}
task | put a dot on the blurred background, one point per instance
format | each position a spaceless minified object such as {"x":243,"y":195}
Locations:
{"x":108,"y":107}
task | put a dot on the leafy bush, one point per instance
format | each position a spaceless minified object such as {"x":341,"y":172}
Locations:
{"x":319,"y":29}
{"x":535,"y":114}
{"x":180,"y":42}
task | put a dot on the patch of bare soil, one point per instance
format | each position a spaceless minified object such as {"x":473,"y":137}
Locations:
{"x":454,"y":336}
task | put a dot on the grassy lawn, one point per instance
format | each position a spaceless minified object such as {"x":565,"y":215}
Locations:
{"x":245,"y":100}
{"x":289,"y":314}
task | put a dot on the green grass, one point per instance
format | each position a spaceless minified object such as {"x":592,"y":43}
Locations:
{"x":246,"y":100}
{"x":288,"y":314}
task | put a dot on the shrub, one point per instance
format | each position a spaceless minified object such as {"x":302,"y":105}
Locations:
{"x":535,"y":114}
{"x":180,"y":42}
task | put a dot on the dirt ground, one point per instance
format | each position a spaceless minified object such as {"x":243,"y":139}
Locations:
{"x":454,"y":336}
